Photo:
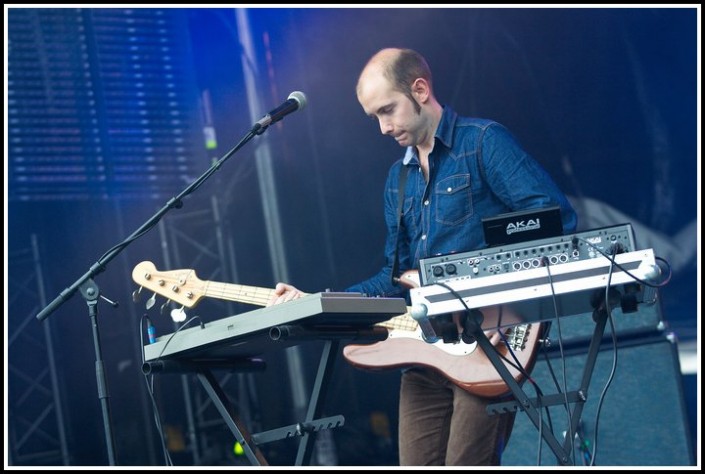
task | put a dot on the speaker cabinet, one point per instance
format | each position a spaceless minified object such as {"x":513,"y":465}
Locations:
{"x":641,"y":421}
{"x":644,"y":317}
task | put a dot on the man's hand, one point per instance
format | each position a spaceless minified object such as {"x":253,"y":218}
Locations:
{"x":284,"y":292}
{"x":494,"y":336}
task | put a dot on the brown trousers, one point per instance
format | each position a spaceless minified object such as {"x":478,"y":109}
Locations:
{"x":441,"y":424}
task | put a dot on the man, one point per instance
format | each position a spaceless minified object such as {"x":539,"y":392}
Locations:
{"x":459,"y":170}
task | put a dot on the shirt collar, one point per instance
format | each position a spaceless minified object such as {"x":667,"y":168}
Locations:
{"x":446,"y":126}
{"x":444,"y":133}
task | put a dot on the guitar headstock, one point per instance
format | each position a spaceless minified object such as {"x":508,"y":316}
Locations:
{"x":180,"y":286}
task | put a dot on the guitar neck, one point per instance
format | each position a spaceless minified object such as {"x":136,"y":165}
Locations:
{"x":403,"y":322}
{"x":240,"y":293}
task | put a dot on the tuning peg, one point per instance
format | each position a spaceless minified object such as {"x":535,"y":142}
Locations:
{"x":136,"y":295}
{"x":162,"y":308}
{"x":178,"y":315}
{"x":150,"y":302}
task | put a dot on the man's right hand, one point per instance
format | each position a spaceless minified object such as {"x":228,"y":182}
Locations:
{"x":284,"y":292}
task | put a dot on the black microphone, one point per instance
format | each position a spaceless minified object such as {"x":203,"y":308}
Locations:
{"x":296,"y":101}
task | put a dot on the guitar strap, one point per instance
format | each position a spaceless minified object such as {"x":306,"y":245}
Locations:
{"x":400,"y":202}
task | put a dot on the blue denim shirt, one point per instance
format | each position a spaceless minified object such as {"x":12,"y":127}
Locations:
{"x":477,"y":169}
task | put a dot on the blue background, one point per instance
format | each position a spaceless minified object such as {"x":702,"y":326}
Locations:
{"x":605,"y":99}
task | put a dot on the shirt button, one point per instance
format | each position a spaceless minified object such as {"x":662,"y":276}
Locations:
{"x":425,"y":203}
{"x":449,"y":189}
{"x":423,"y":237}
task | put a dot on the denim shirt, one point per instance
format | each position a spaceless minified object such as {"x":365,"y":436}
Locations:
{"x":477,"y":169}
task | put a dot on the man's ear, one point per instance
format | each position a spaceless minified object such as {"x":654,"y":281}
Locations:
{"x":421,"y":90}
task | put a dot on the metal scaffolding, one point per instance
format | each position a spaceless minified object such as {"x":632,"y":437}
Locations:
{"x":35,"y":418}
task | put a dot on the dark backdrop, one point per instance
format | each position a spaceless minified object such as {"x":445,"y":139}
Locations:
{"x":605,"y":99}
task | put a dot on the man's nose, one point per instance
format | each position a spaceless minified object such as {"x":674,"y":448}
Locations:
{"x":386,"y":127}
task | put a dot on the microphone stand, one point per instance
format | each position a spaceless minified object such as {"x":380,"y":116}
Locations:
{"x":91,"y":292}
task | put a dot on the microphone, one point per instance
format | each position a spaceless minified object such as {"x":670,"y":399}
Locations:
{"x":296,"y":101}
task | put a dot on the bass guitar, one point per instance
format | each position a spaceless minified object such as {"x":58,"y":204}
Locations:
{"x":464,"y":364}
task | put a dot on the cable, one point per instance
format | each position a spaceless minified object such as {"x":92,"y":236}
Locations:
{"x":150,"y":392}
{"x":588,"y":455}
{"x":608,"y":310}
{"x":157,"y":420}
{"x":547,"y":264}
{"x":149,"y":379}
{"x":584,"y":446}
{"x":605,"y":305}
{"x":516,"y":365}
{"x":186,"y":323}
{"x":616,"y":247}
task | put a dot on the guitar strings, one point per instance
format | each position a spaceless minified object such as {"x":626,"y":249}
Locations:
{"x":240,"y":293}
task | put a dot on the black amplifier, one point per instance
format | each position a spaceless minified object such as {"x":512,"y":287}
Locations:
{"x":526,"y":255}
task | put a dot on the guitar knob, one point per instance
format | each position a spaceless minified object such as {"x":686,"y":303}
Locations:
{"x":178,"y":315}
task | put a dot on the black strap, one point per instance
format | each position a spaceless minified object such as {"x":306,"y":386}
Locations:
{"x":400,"y":198}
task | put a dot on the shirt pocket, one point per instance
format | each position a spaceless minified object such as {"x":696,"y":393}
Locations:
{"x":453,"y":196}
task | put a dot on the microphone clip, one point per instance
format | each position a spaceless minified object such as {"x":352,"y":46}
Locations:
{"x":258,"y":129}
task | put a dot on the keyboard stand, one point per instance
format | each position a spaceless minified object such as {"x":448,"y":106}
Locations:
{"x":305,"y":429}
{"x":532,"y":406}
{"x":236,"y":426}
{"x":312,"y":423}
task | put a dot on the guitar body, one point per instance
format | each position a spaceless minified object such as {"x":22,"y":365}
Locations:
{"x":466,"y":365}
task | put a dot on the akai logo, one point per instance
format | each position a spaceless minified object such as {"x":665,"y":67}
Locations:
{"x":521,"y":226}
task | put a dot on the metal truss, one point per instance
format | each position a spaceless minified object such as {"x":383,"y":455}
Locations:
{"x":36,"y":434}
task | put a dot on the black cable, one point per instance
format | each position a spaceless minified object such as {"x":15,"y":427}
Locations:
{"x":149,"y":379}
{"x":517,"y":366}
{"x":615,"y":250}
{"x":186,"y":323}
{"x":615,"y":351}
{"x":546,"y":263}
{"x":150,"y":392}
